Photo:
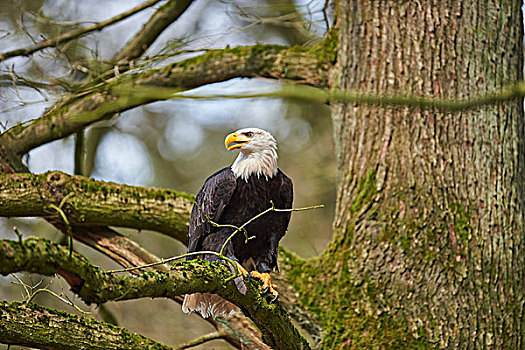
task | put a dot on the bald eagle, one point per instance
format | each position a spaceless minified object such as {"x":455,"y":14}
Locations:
{"x":233,"y":196}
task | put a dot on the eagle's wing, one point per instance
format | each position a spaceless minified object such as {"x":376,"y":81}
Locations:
{"x":281,"y":220}
{"x":286,"y":198}
{"x":210,"y":202}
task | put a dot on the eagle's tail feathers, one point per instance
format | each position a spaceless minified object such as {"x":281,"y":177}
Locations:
{"x":208,"y":304}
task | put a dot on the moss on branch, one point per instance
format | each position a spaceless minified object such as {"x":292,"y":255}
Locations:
{"x":272,"y":61}
{"x":37,"y":326}
{"x":95,"y":285}
{"x":89,"y":202}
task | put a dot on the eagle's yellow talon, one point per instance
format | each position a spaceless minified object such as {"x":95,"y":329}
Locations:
{"x":267,"y":286}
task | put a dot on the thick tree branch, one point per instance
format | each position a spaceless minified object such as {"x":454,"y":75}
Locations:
{"x":161,"y":19}
{"x":125,"y":92}
{"x":76,"y":33}
{"x":95,"y":285}
{"x":89,"y":202}
{"x":37,"y":326}
{"x":123,"y":250}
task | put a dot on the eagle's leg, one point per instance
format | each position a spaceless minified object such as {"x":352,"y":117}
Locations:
{"x":242,"y":270}
{"x":267,"y":283}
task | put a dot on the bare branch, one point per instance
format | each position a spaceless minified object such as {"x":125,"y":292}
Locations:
{"x":75,"y":33}
{"x":201,"y":340}
{"x":160,"y":20}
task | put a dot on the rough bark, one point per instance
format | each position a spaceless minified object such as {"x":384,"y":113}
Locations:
{"x":428,"y":246}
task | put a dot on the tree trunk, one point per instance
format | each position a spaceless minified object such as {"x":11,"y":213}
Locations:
{"x":428,"y":245}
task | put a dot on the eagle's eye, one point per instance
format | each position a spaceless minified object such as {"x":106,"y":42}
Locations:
{"x":248,"y":134}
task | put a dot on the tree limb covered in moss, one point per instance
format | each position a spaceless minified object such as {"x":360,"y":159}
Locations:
{"x":238,"y":330}
{"x":95,"y":285}
{"x":89,"y":202}
{"x":37,"y":326}
{"x":120,"y":94}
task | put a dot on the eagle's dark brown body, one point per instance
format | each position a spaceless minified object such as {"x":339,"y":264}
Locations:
{"x":225,"y":199}
{"x":233,"y":196}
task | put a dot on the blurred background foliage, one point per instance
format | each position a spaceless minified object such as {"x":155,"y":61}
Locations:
{"x":173,"y":144}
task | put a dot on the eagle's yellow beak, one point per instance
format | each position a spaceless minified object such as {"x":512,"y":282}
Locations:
{"x":234,"y":141}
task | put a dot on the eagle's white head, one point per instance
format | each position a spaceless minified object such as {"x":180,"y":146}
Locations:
{"x":258,"y":154}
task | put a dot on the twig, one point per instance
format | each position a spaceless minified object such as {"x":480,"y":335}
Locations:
{"x":213,"y":223}
{"x":18,"y":234}
{"x":69,"y":302}
{"x":23,"y":285}
{"x":63,"y":201}
{"x":301,"y":209}
{"x":30,"y":295}
{"x":66,"y":221}
{"x":272,"y":208}
{"x":76,"y":33}
{"x":220,"y":253}
{"x":201,"y":340}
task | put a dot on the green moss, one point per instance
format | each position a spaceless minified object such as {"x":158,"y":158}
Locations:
{"x":328,"y":289}
{"x":126,"y":338}
{"x":326,"y":50}
{"x":366,"y":190}
{"x":240,"y":51}
{"x":462,"y":226}
{"x":162,"y":194}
